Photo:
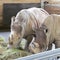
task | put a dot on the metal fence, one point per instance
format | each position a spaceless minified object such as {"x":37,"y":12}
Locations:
{"x":47,"y":55}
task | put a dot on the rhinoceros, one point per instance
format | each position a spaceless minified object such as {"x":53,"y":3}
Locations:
{"x":24,"y":23}
{"x":51,"y":34}
{"x":39,"y":40}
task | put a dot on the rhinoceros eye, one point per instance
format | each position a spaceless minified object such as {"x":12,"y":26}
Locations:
{"x":44,"y":27}
{"x":45,"y":30}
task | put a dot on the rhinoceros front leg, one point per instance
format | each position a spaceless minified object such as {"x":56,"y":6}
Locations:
{"x":50,"y":47}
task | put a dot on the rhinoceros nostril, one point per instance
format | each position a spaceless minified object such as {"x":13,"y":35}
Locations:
{"x":11,"y":43}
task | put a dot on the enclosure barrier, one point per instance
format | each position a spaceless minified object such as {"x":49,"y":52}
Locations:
{"x":47,"y":55}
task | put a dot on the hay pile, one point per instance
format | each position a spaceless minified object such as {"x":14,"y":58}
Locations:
{"x":10,"y":54}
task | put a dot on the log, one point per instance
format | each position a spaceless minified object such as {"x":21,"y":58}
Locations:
{"x":1,"y":19}
{"x":1,"y":9}
{"x":52,"y":8}
{"x":20,"y":1}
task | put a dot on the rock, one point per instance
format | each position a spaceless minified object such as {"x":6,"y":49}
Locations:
{"x":23,"y":44}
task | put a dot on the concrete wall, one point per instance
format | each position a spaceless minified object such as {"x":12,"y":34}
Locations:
{"x":21,"y":1}
{"x":13,"y":1}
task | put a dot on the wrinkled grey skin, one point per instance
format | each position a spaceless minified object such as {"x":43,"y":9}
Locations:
{"x":39,"y":41}
{"x":52,"y":23}
{"x":14,"y":39}
{"x":24,"y":23}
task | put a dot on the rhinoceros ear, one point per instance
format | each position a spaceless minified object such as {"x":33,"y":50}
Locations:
{"x":12,"y":19}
